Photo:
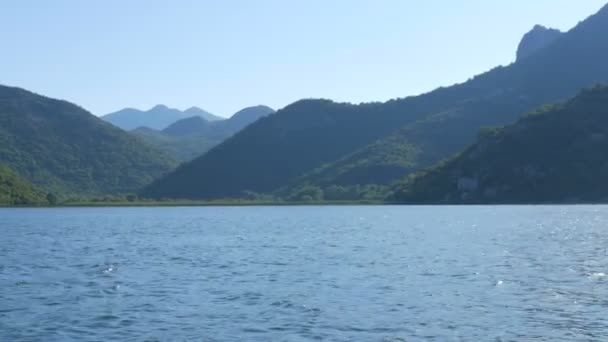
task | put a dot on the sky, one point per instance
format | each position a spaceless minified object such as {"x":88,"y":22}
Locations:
{"x":224,"y":55}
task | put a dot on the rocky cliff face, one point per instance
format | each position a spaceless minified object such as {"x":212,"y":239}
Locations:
{"x":536,"y":39}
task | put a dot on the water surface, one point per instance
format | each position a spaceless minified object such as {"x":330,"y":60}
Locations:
{"x":371,"y":273}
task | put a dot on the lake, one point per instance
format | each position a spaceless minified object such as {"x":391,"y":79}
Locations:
{"x":335,"y":273}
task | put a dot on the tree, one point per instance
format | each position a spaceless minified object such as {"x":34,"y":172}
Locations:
{"x":51,"y":198}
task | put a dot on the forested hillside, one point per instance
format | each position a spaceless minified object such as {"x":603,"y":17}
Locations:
{"x":15,"y":190}
{"x":62,"y":148}
{"x":189,"y":138}
{"x":556,"y":154}
{"x":333,"y":143}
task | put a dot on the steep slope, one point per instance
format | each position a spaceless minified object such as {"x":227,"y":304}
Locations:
{"x":557,"y":154}
{"x":15,"y":190}
{"x":275,"y":152}
{"x":420,"y":143}
{"x":538,"y":38}
{"x":189,"y":138}
{"x":552,"y":74}
{"x":60,"y":147}
{"x":158,"y":117}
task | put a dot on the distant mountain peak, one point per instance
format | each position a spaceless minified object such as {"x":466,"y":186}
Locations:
{"x":197,"y":111}
{"x":158,"y":117}
{"x":191,"y":137}
{"x":536,"y":39}
{"x":539,"y":27}
{"x":187,"y":126}
{"x":254,"y":111}
{"x":159,"y":107}
{"x":194,"y":110}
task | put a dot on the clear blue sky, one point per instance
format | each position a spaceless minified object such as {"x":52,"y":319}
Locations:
{"x":223,"y":55}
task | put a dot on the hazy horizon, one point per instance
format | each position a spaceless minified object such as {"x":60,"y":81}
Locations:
{"x":235,"y":54}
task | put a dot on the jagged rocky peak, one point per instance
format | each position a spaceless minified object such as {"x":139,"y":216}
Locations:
{"x":536,"y":39}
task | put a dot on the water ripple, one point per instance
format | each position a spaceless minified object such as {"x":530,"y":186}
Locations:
{"x":304,"y":273}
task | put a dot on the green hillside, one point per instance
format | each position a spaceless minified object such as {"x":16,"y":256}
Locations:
{"x":189,"y":138}
{"x":337,"y":143}
{"x":15,"y":190}
{"x":62,"y":148}
{"x":556,"y":154}
{"x":573,"y":61}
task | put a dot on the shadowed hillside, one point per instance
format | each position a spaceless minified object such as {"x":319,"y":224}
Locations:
{"x":280,"y":150}
{"x":556,"y":154}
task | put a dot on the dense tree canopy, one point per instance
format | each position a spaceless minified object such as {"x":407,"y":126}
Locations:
{"x":15,"y":190}
{"x":556,"y":154}
{"x":62,"y":148}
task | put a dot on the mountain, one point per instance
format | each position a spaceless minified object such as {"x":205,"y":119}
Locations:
{"x":179,"y":147}
{"x":556,"y":154}
{"x":62,"y":148}
{"x":189,"y":138}
{"x":15,"y":190}
{"x":274,"y":149}
{"x":189,"y":126}
{"x":517,"y":89}
{"x":195,"y":111}
{"x":159,"y":117}
{"x":341,"y":141}
{"x":218,"y":130}
{"x":243,"y":118}
{"x":538,"y":38}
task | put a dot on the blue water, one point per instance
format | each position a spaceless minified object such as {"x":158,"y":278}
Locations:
{"x":385,"y":273}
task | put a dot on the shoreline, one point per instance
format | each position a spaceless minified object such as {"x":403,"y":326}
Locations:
{"x":195,"y":204}
{"x":155,"y":204}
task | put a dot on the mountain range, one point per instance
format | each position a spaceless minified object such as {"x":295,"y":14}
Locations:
{"x":480,"y":141}
{"x":62,"y":148}
{"x":158,"y":117}
{"x":191,"y":137}
{"x":320,"y":143}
